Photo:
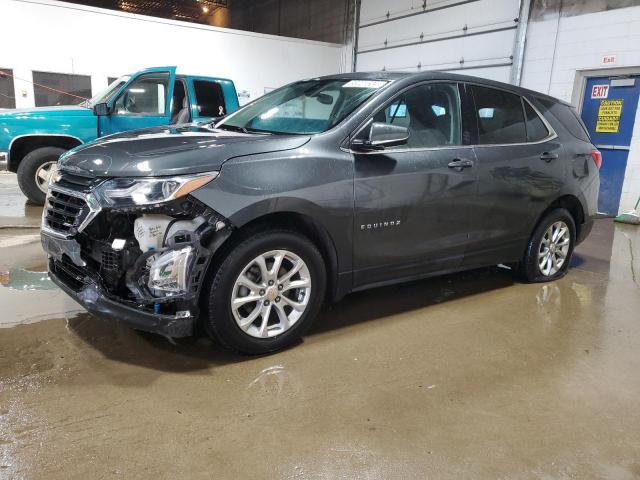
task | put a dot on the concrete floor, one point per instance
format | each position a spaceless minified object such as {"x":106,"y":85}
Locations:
{"x":465,"y":376}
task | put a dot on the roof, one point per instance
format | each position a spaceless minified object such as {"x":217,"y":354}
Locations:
{"x":411,"y":77}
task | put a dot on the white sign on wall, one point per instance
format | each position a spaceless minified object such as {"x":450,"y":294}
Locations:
{"x":608,"y":60}
{"x":599,"y":91}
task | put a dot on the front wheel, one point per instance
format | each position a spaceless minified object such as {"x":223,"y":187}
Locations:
{"x":35,"y":171}
{"x":266,"y":292}
{"x":550,"y":247}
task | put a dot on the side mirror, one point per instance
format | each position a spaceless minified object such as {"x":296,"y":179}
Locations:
{"x":101,"y":109}
{"x":383,"y":135}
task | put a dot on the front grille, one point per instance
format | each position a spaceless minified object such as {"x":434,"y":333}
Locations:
{"x":111,"y":266}
{"x":76,"y":182}
{"x":64,"y":212}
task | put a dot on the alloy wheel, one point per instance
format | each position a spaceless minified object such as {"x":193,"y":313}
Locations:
{"x":271,"y":293}
{"x":554,"y":248}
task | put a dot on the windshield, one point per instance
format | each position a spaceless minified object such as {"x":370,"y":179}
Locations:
{"x":106,"y":94}
{"x":307,"y":107}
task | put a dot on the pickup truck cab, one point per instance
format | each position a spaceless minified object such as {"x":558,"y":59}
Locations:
{"x":33,"y":139}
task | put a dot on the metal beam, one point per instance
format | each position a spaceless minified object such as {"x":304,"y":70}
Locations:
{"x":521,"y":38}
{"x":426,"y":10}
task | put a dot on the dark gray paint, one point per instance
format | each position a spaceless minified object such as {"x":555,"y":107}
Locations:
{"x":449,"y":218}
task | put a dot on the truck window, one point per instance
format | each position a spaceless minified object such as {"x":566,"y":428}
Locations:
{"x":209,"y":98}
{"x":146,"y":95}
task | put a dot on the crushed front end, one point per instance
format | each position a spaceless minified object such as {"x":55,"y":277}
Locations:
{"x":135,"y":250}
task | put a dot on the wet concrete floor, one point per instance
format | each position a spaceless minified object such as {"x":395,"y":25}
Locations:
{"x":464,"y":376}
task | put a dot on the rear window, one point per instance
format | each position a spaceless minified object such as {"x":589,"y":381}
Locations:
{"x":209,"y":98}
{"x":500,"y":116}
{"x":569,"y":118}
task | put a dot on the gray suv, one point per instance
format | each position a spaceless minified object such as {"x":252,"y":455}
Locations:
{"x":325,"y":186}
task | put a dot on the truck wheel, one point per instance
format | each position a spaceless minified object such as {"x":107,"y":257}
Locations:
{"x":34,"y":172}
{"x":266,"y":293}
{"x":550,"y":248}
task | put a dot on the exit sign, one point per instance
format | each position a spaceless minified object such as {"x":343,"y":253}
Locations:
{"x":608,"y":60}
{"x":599,"y":91}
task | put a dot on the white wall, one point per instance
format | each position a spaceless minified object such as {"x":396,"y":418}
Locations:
{"x":52,"y":36}
{"x":477,"y":50}
{"x":561,"y":51}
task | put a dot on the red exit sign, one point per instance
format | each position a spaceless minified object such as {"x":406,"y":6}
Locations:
{"x":599,"y":91}
{"x":608,"y":59}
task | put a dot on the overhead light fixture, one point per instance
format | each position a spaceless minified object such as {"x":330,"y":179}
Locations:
{"x":205,"y":9}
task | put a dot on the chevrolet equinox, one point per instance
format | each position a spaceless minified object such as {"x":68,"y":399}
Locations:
{"x":244,"y":226}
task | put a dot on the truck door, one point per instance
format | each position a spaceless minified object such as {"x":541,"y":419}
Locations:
{"x":144,"y":101}
{"x":609,"y":111}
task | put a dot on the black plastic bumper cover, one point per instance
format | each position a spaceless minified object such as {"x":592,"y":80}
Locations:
{"x":91,"y":298}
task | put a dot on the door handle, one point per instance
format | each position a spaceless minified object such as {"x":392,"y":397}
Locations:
{"x":547,"y":157}
{"x":460,"y":164}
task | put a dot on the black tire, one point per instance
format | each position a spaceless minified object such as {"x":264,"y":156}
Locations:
{"x":217,"y":316}
{"x":529,"y":268}
{"x":27,"y":171}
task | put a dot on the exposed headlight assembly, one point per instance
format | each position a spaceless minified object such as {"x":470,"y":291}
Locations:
{"x":128,"y":192}
{"x":169,"y":271}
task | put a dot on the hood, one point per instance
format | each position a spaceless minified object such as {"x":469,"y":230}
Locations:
{"x":48,"y":112}
{"x":166,"y":150}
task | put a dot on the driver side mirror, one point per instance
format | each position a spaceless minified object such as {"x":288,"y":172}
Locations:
{"x":383,"y":135}
{"x":101,"y":109}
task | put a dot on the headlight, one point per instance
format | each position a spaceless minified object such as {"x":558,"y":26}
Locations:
{"x":126,"y":192}
{"x":168,"y":272}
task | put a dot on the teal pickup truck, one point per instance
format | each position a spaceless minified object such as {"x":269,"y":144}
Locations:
{"x":33,"y":139}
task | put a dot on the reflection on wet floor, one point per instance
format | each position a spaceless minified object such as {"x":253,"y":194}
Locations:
{"x":469,"y":375}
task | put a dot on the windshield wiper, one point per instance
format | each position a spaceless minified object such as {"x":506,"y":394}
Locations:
{"x":233,"y":128}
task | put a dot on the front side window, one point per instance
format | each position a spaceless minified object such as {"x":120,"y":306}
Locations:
{"x":307,"y":107}
{"x":210,"y":98}
{"x":146,"y":95}
{"x":500,"y":116}
{"x":431,"y":112}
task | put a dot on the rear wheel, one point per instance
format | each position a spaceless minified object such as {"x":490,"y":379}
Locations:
{"x":266,"y":292}
{"x":35,"y":171}
{"x":550,"y":248}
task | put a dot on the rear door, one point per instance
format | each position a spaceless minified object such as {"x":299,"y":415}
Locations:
{"x":144,"y":101}
{"x":520,"y":172}
{"x":609,"y":111}
{"x":412,"y":203}
{"x":211,"y":98}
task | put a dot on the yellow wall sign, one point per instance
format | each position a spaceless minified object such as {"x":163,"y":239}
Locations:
{"x":609,"y":116}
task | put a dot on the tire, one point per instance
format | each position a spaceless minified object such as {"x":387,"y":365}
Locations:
{"x":530,"y":269}
{"x":28,"y":167}
{"x":223,"y":322}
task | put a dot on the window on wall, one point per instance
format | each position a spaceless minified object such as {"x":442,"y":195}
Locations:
{"x":431,"y":112}
{"x":500,"y":116}
{"x":51,"y":89}
{"x":209,"y":98}
{"x":7,"y":95}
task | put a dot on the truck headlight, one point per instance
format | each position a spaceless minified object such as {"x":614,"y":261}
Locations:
{"x":168,"y":272}
{"x":127,"y":192}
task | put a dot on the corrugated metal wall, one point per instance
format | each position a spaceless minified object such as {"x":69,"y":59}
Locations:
{"x":474,"y":37}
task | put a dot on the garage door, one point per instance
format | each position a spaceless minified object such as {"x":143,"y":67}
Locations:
{"x":475,"y":37}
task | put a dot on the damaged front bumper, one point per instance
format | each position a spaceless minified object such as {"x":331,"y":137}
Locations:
{"x":95,"y":300}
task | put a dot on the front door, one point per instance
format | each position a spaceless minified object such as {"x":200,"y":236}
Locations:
{"x":145,"y":101}
{"x":609,"y":111}
{"x":412,"y":202}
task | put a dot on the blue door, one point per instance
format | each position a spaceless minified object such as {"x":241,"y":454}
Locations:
{"x":609,"y":111}
{"x":144,"y":101}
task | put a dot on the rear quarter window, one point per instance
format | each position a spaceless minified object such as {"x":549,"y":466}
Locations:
{"x":209,"y":98}
{"x":568,"y":116}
